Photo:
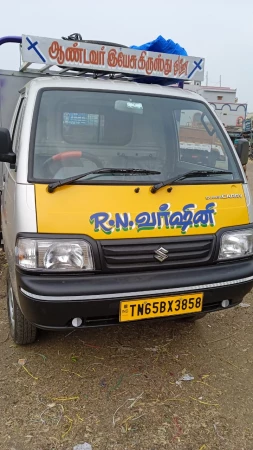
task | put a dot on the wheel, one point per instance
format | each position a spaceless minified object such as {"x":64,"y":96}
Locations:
{"x":22,"y":331}
{"x":193,"y":317}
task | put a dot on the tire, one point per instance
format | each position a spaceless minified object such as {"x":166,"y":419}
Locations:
{"x":22,"y":331}
{"x":193,"y":318}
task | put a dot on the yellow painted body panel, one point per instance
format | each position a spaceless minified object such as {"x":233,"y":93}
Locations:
{"x":118,"y":212}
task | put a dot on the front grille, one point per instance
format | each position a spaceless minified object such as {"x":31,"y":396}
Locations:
{"x":139,"y":254}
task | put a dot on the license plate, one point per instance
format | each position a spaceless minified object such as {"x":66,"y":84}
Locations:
{"x":150,"y":308}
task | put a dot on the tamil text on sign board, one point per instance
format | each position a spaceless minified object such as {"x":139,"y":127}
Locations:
{"x":112,"y":59}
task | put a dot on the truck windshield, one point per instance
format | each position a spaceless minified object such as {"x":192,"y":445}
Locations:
{"x":81,"y":131}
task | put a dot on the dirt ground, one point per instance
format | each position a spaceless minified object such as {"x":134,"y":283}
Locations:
{"x":118,"y":388}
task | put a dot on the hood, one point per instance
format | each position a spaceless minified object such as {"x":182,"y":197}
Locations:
{"x":117,"y":212}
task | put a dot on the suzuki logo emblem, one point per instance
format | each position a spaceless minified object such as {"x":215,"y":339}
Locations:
{"x":161,"y":254}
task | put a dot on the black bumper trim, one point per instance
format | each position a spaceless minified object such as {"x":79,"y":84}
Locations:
{"x":121,"y":295}
{"x":93,"y":313}
{"x":97,"y":286}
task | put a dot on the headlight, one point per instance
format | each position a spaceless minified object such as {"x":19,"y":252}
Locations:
{"x":236,"y":244}
{"x":59,"y":254}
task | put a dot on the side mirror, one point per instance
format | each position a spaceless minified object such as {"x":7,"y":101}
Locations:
{"x":6,"y":153}
{"x":242,"y":150}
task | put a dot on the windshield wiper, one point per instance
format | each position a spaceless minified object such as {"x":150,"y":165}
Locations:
{"x":192,"y":173}
{"x":52,"y":186}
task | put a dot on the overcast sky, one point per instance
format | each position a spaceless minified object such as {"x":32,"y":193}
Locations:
{"x":219,"y":30}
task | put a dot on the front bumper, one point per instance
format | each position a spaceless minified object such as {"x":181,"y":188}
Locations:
{"x":52,"y":301}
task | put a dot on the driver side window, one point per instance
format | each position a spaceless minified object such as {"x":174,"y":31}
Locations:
{"x":17,"y":129}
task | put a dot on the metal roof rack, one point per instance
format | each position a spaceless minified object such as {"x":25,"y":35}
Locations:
{"x":63,"y":57}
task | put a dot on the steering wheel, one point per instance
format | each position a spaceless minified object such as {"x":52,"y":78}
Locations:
{"x":54,"y":160}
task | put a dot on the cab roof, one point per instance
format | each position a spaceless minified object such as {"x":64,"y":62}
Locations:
{"x":57,"y":82}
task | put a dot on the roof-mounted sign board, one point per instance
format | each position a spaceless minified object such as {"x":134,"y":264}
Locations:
{"x":91,"y":57}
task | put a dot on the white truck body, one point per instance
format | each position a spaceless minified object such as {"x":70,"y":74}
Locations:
{"x":104,"y":139}
{"x":11,"y":82}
